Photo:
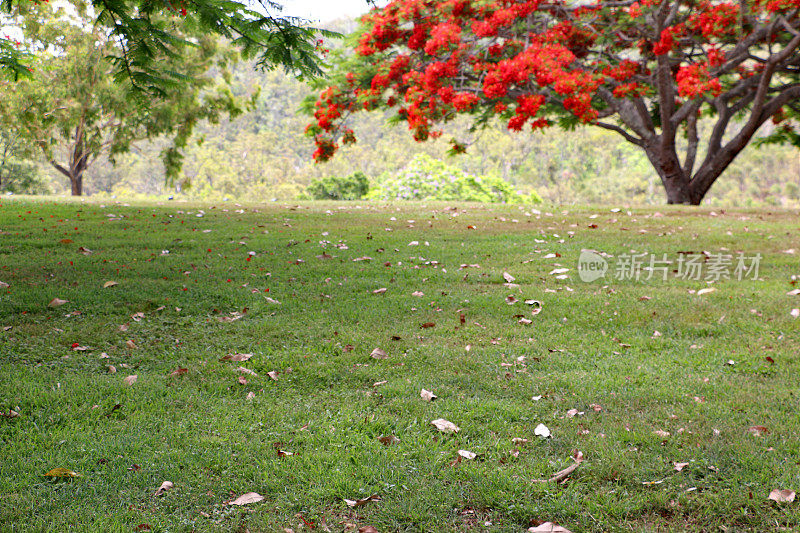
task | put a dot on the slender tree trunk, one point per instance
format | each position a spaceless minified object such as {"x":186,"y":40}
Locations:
{"x":77,"y":184}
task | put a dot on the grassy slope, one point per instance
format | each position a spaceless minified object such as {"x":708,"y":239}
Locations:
{"x":199,"y":431}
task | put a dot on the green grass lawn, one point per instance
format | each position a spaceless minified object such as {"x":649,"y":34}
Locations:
{"x":636,"y":359}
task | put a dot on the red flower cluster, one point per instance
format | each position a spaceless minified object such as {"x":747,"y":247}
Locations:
{"x":531,"y":61}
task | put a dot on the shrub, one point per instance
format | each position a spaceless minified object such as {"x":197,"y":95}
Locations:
{"x":425,"y":178}
{"x":352,"y":187}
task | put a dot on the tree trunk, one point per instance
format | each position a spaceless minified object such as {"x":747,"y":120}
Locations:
{"x":677,"y":183}
{"x":77,"y":184}
{"x":678,"y":189}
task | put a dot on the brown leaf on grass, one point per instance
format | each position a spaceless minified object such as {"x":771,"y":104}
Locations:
{"x":179,"y":371}
{"x":508,"y":277}
{"x":379,"y":291}
{"x":782,"y":495}
{"x":85,"y":251}
{"x":244,"y":370}
{"x":9,"y":414}
{"x":283,"y":453}
{"x":548,"y":527}
{"x":4,"y":285}
{"x":525,"y":321}
{"x":466,"y":454}
{"x":247,"y":499}
{"x":137,"y":316}
{"x":62,"y":472}
{"x":445,"y":426}
{"x":273,"y":375}
{"x":661,"y":433}
{"x":427,"y":325}
{"x":462,"y":318}
{"x":388,"y":440}
{"x":241,"y":380}
{"x":511,"y":299}
{"x":112,"y":369}
{"x":108,"y":284}
{"x":66,"y":241}
{"x":367,"y":529}
{"x":130,"y":380}
{"x":561,"y":475}
{"x":757,"y":431}
{"x":377,"y":353}
{"x":251,"y":395}
{"x":238,"y":357}
{"x":427,"y":395}
{"x":706,"y":290}
{"x":679,"y":466}
{"x":57,"y":302}
{"x":164,"y":488}
{"x":143,"y":527}
{"x":418,"y":294}
{"x":362,"y":501}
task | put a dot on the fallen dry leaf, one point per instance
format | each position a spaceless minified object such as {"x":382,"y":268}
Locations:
{"x":445,"y":426}
{"x":241,"y":380}
{"x":548,"y":527}
{"x":247,"y":499}
{"x":62,"y":472}
{"x":680,"y":466}
{"x":244,"y":370}
{"x":130,"y":344}
{"x":379,"y":291}
{"x":427,"y":325}
{"x":466,"y":454}
{"x":781,"y":495}
{"x":112,"y":369}
{"x":273,"y":375}
{"x":367,"y":529}
{"x":362,"y":501}
{"x":108,"y":284}
{"x":661,"y":433}
{"x":542,"y":431}
{"x":164,"y":488}
{"x":130,"y":380}
{"x":795,"y":313}
{"x":4,"y":285}
{"x":427,"y":395}
{"x":757,"y":431}
{"x":388,"y":440}
{"x":707,"y":290}
{"x":238,"y":357}
{"x":9,"y":414}
{"x":508,"y":277}
{"x":179,"y":371}
{"x":418,"y":294}
{"x":57,"y":302}
{"x":251,"y":395}
{"x":561,"y":475}
{"x":377,"y":353}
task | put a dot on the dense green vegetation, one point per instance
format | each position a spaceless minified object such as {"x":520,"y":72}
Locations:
{"x":639,"y":376}
{"x":264,"y":154}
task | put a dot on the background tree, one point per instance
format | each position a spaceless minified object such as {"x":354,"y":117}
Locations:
{"x":146,"y":33}
{"x":73,"y":111}
{"x":647,"y":71}
{"x":17,"y":172}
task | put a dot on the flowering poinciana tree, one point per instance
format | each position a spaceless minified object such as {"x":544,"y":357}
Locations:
{"x":647,"y":70}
